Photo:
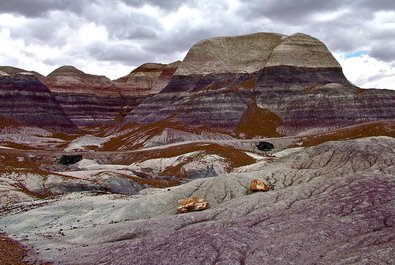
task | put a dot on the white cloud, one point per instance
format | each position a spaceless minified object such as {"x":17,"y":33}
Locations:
{"x":91,"y":33}
{"x":367,"y":72}
{"x":111,"y":70}
{"x":327,"y":16}
{"x":11,"y":21}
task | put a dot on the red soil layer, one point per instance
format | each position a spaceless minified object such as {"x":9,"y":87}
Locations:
{"x":130,"y":140}
{"x":258,"y":121}
{"x":7,"y":122}
{"x":380,"y":128}
{"x":235,"y":157}
{"x":12,"y":252}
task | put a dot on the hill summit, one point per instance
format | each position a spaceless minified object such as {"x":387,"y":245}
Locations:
{"x":253,"y":52}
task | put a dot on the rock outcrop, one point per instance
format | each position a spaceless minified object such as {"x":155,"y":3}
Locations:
{"x":192,"y":204}
{"x":259,"y":185}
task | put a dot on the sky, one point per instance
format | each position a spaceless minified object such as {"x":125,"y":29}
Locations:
{"x":112,"y":37}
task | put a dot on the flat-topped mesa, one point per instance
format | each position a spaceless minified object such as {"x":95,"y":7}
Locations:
{"x":253,"y":52}
{"x":263,"y":84}
{"x":229,"y":59}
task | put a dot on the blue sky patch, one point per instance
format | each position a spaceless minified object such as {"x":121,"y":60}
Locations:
{"x":355,"y":54}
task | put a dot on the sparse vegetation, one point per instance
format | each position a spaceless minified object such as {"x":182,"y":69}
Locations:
{"x":264,"y":146}
{"x":70,"y":159}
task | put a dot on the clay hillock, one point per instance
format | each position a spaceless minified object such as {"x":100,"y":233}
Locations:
{"x":26,"y":99}
{"x":68,"y":79}
{"x":86,"y":99}
{"x":293,"y":80}
{"x":147,"y":71}
{"x":149,"y":78}
{"x":94,"y":100}
{"x":14,"y":70}
{"x":141,"y":80}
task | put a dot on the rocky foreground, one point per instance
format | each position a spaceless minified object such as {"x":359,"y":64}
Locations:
{"x":331,"y":204}
{"x":254,"y":149}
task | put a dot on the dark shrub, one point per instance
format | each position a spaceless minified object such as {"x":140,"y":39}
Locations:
{"x":264,"y":146}
{"x":70,"y":159}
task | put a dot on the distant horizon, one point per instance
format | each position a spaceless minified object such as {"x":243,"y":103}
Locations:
{"x":112,"y":78}
{"x":42,"y":36}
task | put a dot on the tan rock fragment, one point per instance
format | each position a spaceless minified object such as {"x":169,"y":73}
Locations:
{"x":258,"y":185}
{"x":192,"y":204}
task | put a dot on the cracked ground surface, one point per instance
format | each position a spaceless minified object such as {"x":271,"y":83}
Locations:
{"x":331,"y":204}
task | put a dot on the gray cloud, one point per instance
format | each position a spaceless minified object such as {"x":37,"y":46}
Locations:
{"x":136,"y":33}
{"x":44,"y":31}
{"x":178,"y":42}
{"x":165,"y":5}
{"x":128,"y":24}
{"x":117,"y":53}
{"x":382,"y":5}
{"x":36,"y":8}
{"x":349,"y":29}
{"x":287,"y":11}
{"x":383,"y":51}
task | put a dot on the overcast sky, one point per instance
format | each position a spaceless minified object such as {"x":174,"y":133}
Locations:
{"x":113,"y":37}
